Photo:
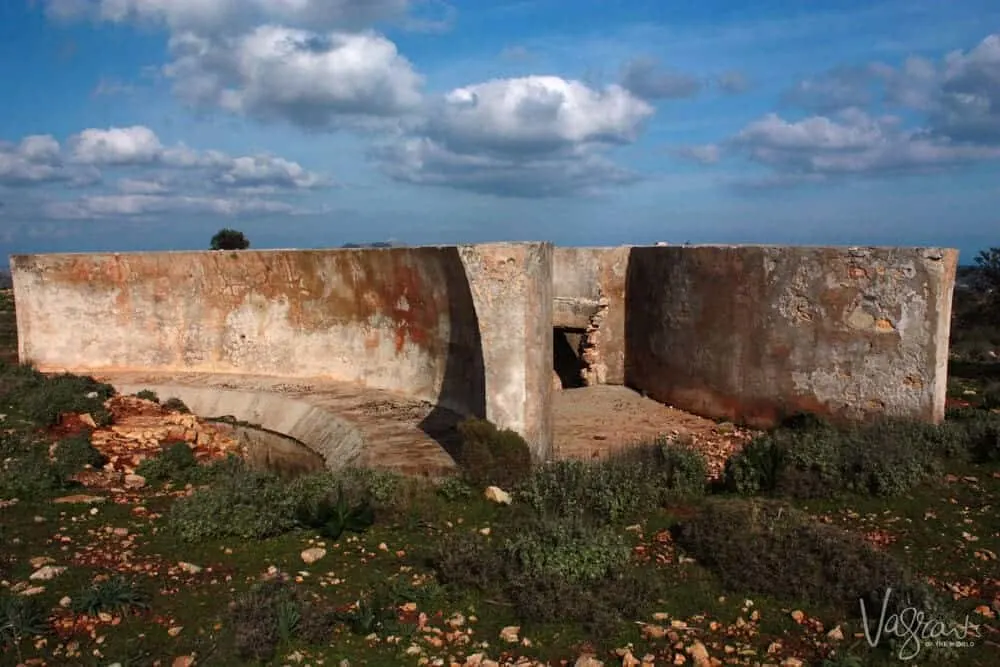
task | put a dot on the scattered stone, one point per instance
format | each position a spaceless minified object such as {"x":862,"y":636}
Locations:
{"x":312,"y":554}
{"x":33,"y":590}
{"x":509,"y":634}
{"x":133,"y":481}
{"x":46,"y":573}
{"x":798,"y":615}
{"x":40,"y":561}
{"x":85,"y":418}
{"x":836,"y":634}
{"x":79,"y":499}
{"x":183,"y":661}
{"x":791,"y":662}
{"x":190,"y":568}
{"x":65,"y":602}
{"x":497,"y":495}
{"x":174,"y":631}
{"x":587,"y":660}
{"x":699,"y":654}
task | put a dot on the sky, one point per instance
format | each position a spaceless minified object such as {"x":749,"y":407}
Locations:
{"x":150,"y":124}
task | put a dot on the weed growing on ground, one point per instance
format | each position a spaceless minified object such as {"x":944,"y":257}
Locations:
{"x":28,"y":473}
{"x":113,"y":595}
{"x":20,"y":618}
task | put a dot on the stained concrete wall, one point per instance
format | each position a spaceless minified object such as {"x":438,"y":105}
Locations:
{"x":589,"y":292}
{"x":464,"y":327}
{"x":752,"y":333}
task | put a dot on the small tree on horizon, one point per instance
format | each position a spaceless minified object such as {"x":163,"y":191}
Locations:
{"x":229,"y":239}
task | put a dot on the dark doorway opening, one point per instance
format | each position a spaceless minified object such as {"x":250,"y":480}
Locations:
{"x":566,"y":345}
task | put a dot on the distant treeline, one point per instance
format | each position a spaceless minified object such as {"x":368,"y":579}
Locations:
{"x":5,"y":280}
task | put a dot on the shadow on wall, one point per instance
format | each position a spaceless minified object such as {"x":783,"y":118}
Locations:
{"x":463,"y":388}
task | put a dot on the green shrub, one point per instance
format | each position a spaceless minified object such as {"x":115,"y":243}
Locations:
{"x":175,"y":462}
{"x":812,"y":459}
{"x":566,"y":549}
{"x":148,"y":395}
{"x":175,"y":405}
{"x":635,"y":481}
{"x":243,"y":503}
{"x":41,"y":399}
{"x":31,"y":474}
{"x":756,"y":467}
{"x":977,"y":432}
{"x":490,"y":456}
{"x":765,"y":547}
{"x":454,"y":489}
{"x":552,"y":568}
{"x":75,"y":453}
{"x":247,"y":505}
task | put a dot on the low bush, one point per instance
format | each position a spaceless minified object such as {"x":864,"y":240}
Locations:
{"x":175,"y":462}
{"x":148,"y":395}
{"x":552,"y":567}
{"x":21,"y":618}
{"x":455,"y":489}
{"x":619,"y":488}
{"x":30,"y":474}
{"x":75,"y":453}
{"x":40,"y":399}
{"x":768,"y":548}
{"x":176,"y":405}
{"x":247,"y":504}
{"x":490,"y":456}
{"x":811,"y":459}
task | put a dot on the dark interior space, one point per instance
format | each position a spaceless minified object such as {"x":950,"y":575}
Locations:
{"x":566,"y":356}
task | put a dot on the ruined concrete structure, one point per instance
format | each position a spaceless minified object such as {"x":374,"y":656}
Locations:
{"x":745,"y":333}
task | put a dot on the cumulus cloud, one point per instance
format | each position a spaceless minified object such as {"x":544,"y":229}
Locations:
{"x":950,"y":116}
{"x":214,"y":16}
{"x":157,"y":178}
{"x":37,"y":160}
{"x":312,"y":80}
{"x":647,"y":79}
{"x":532,"y":137}
{"x":851,"y":142}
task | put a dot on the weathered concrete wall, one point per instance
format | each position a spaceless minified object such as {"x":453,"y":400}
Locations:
{"x":751,"y":333}
{"x":589,"y":293}
{"x":417,"y":321}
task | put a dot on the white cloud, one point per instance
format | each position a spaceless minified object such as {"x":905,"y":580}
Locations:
{"x":116,"y":146}
{"x":137,"y":186}
{"x":851,"y":142}
{"x":153,"y":178}
{"x":533,"y":136}
{"x":309,"y":79}
{"x":37,"y":160}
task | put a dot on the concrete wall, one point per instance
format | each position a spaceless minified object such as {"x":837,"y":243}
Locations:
{"x":589,"y":291}
{"x":465,"y":327}
{"x":751,"y":333}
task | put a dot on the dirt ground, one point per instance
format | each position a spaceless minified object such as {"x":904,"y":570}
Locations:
{"x":592,"y":422}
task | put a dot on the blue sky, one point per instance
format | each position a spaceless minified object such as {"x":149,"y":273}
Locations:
{"x":150,"y":124}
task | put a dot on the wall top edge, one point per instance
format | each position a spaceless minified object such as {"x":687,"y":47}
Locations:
{"x":135,"y":253}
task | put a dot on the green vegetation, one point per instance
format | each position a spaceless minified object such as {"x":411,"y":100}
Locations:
{"x":236,"y":566}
